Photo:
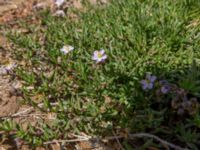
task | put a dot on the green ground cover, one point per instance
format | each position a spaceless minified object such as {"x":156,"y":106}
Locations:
{"x":146,"y":80}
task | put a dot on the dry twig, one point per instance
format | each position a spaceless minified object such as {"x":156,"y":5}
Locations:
{"x":87,"y":138}
{"x":117,"y":139}
{"x":131,"y":136}
{"x":141,"y":135}
{"x":26,"y":111}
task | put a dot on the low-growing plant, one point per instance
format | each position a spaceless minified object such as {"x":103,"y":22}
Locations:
{"x":131,"y":66}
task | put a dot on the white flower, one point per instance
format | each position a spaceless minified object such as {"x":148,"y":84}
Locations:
{"x":59,"y":13}
{"x":59,"y":2}
{"x":99,"y":56}
{"x":8,"y":67}
{"x":66,"y":49}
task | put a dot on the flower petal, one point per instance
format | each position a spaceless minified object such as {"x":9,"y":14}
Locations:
{"x":59,"y":2}
{"x":150,"y":85}
{"x":150,"y":77}
{"x":104,"y":57}
{"x":98,"y":60}
{"x":165,"y":89}
{"x":71,"y":48}
{"x":144,"y":84}
{"x":10,"y":66}
{"x":95,"y":53}
{"x":66,"y":49}
{"x":94,"y":57}
{"x":102,"y":51}
{"x":153,"y":78}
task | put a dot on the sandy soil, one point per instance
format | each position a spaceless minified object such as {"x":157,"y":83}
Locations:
{"x":8,"y":98}
{"x":10,"y":10}
{"x":6,"y":5}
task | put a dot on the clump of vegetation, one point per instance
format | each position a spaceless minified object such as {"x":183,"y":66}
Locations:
{"x":129,"y":67}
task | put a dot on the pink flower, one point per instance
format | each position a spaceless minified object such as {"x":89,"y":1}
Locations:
{"x":99,"y":56}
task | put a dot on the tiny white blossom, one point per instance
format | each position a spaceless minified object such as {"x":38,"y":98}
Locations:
{"x":59,"y":2}
{"x":59,"y":13}
{"x":8,"y":67}
{"x":66,"y":49}
{"x":99,"y":56}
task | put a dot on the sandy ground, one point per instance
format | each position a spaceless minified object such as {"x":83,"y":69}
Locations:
{"x":10,"y":10}
{"x":6,"y":5}
{"x":8,"y":100}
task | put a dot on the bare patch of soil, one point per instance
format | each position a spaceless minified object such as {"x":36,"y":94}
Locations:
{"x":6,"y":5}
{"x":13,"y":9}
{"x":8,"y":102}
